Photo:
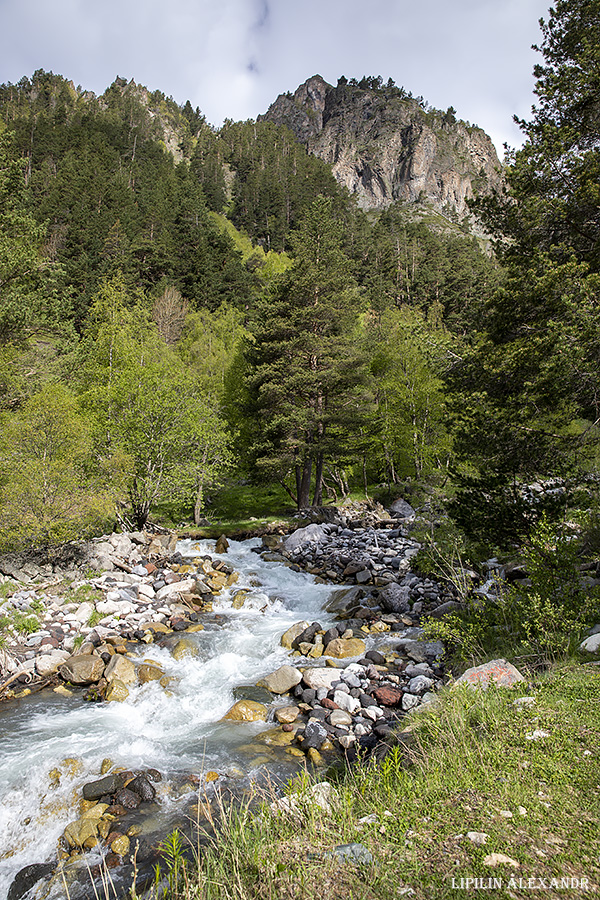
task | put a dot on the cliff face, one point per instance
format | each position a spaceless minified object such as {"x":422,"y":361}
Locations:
{"x":385,"y":146}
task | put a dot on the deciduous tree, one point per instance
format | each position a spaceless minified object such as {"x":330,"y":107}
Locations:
{"x":51,"y":489}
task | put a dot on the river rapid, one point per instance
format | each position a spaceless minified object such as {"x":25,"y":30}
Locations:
{"x":53,"y":744}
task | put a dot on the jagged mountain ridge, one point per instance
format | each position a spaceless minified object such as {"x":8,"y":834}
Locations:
{"x":385,"y":146}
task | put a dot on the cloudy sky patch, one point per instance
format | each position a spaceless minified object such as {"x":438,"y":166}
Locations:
{"x":233,"y":57}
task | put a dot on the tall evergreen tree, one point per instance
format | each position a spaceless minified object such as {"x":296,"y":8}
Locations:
{"x":303,"y":369}
{"x":523,"y":395}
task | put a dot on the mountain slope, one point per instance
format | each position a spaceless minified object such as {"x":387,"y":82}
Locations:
{"x":384,"y":145}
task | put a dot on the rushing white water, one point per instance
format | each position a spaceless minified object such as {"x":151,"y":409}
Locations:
{"x":174,"y":731}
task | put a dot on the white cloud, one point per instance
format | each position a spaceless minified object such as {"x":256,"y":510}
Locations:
{"x":233,"y":57}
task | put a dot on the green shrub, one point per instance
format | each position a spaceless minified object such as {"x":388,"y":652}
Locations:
{"x":543,"y":617}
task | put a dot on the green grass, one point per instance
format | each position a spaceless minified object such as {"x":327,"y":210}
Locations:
{"x":242,"y":502}
{"x":83,"y":594}
{"x":7,"y":589}
{"x":469,"y":767}
{"x":16,"y":621}
{"x":243,"y":507}
{"x":27,"y":623}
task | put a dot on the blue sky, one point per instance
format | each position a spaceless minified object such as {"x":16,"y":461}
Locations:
{"x":232,"y":57}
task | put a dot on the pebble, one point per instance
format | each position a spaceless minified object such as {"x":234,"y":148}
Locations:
{"x":477,"y":837}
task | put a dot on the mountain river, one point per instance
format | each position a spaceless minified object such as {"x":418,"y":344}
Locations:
{"x":176,"y":731}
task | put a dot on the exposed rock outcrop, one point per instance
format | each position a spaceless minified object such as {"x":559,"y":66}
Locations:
{"x":385,"y":146}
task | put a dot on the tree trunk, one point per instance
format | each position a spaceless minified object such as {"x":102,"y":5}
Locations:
{"x":318,"y":494}
{"x":298,"y":474}
{"x":199,"y":503}
{"x":140,"y":508}
{"x":340,"y":480}
{"x":304,"y":492}
{"x":141,"y":511}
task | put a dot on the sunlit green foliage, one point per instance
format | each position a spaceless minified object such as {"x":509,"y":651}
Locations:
{"x":52,"y":488}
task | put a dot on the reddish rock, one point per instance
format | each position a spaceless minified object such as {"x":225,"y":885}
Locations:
{"x":388,"y":696}
{"x":287,"y":727}
{"x":150,"y":568}
{"x":498,"y":671}
{"x":118,"y":810}
{"x":329,"y":704}
{"x":50,"y":642}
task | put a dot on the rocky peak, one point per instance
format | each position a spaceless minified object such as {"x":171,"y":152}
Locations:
{"x":302,"y":111}
{"x":384,"y":145}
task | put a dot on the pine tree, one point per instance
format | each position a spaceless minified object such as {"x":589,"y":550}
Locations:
{"x":304,"y":372}
{"x":524,"y":397}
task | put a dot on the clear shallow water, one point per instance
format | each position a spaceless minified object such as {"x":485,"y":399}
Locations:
{"x":175,"y":732}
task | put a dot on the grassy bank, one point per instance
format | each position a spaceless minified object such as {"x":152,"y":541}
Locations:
{"x":475,"y":763}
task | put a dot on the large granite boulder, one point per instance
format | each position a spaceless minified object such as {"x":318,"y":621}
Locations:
{"x":312,"y":534}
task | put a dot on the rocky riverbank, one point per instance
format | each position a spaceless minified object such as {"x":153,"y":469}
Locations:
{"x":69,"y":623}
{"x":65,"y":615}
{"x":347,"y":685}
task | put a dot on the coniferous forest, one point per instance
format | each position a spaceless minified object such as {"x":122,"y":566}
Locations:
{"x":184,"y":308}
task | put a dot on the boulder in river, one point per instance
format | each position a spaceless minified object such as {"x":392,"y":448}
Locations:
{"x":120,"y":844}
{"x":93,"y":790}
{"x":289,"y":636}
{"x":85,"y":668}
{"x":122,"y":668}
{"x":149,"y":672}
{"x":222,"y":545}
{"x":116,"y":690}
{"x":341,"y":648}
{"x":141,"y":786}
{"x":81,"y":833}
{"x":128,"y":799}
{"x":246,"y":711}
{"x":185,"y":649}
{"x":26,"y":878}
{"x":282,"y":680}
{"x":252,"y":692}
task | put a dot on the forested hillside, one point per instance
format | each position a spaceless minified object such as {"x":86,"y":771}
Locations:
{"x":183,"y":307}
